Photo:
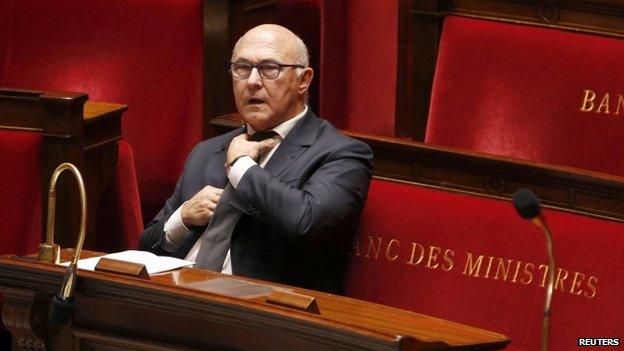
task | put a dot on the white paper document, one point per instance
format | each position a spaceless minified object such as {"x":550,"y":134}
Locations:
{"x":153,"y":264}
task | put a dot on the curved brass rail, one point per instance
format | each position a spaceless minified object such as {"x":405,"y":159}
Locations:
{"x":48,"y":251}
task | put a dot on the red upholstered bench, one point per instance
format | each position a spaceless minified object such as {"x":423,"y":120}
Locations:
{"x":471,"y":259}
{"x":529,"y":92}
{"x":20,"y":191}
{"x":120,"y":214}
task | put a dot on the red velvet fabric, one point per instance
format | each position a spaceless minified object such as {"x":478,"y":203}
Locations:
{"x":359,"y":64}
{"x":20,"y":192}
{"x":119,"y":214}
{"x":439,"y":221}
{"x":144,"y":54}
{"x":4,"y":27}
{"x":518,"y":90}
{"x":127,"y":190}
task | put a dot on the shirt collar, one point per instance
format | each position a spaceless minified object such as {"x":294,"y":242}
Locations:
{"x":284,"y":128}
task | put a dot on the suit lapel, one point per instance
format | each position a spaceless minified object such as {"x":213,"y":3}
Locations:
{"x":295,"y":143}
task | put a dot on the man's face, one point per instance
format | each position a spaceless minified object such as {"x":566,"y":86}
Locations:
{"x":264,"y":103}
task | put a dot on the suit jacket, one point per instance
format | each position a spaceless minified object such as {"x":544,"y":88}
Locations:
{"x":299,"y":213}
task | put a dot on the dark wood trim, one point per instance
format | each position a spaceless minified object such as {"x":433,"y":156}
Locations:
{"x":217,"y":84}
{"x":74,"y":130}
{"x":570,"y":189}
{"x":417,"y":54}
{"x":420,"y":27}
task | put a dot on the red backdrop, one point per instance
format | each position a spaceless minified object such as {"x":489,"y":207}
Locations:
{"x":144,"y":54}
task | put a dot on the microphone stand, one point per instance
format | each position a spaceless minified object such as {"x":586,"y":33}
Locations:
{"x":540,"y":221}
{"x":62,"y":303}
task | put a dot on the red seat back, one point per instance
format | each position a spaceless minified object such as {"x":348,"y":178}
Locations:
{"x":119,"y":212}
{"x":473,"y":260}
{"x":20,"y":192}
{"x":533,"y":93}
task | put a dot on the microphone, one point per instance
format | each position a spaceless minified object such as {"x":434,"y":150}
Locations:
{"x":62,"y":306}
{"x":528,"y":207}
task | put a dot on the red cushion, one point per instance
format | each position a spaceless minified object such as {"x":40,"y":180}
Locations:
{"x":449,"y":227}
{"x":119,"y":213}
{"x":127,"y":190}
{"x":518,"y":90}
{"x":20,"y":191}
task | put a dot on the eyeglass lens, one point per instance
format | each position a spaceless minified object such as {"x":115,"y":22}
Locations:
{"x":265,"y":69}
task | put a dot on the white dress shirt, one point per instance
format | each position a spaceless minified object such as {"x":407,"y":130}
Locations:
{"x":175,"y":229}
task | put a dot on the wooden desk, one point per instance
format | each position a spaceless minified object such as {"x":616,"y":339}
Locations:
{"x":173,"y":311}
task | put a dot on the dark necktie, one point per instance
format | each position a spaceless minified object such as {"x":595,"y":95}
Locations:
{"x":259,"y":136}
{"x":216,"y":239}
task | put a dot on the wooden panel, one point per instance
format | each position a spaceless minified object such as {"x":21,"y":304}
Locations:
{"x":565,"y":188}
{"x":218,"y":97}
{"x":83,"y":133}
{"x":173,"y":312}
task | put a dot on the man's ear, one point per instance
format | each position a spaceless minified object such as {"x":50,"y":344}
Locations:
{"x":305,"y":79}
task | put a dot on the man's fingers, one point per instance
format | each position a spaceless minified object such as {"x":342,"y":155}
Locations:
{"x":214,"y":198}
{"x":267,"y":143}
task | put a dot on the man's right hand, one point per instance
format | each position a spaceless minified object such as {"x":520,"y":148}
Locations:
{"x":199,"y":209}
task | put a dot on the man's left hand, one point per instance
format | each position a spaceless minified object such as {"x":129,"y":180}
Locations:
{"x":241,"y":146}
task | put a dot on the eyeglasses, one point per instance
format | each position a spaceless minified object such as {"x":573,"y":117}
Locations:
{"x":267,"y":70}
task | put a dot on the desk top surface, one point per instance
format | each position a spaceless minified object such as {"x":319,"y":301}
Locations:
{"x":248,"y":297}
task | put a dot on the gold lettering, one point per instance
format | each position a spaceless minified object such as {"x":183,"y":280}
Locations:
{"x":372,"y":247}
{"x":543,"y":284}
{"x":474,"y":267}
{"x":501,"y":267}
{"x":620,"y":103}
{"x":518,"y":264}
{"x":528,"y":273}
{"x":489,"y":266}
{"x":355,"y":250}
{"x":587,"y":100}
{"x":559,"y":280}
{"x":604,"y":103}
{"x":448,"y":254}
{"x":433,"y":256}
{"x":388,"y":255}
{"x":576,"y":283}
{"x":592,"y":286}
{"x":421,"y":255}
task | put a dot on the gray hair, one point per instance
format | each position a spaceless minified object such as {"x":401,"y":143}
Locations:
{"x":303,"y":57}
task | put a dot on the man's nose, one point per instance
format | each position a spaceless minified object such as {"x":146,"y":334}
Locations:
{"x":254,"y":77}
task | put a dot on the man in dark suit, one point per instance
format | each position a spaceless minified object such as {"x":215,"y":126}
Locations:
{"x":282,"y":209}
